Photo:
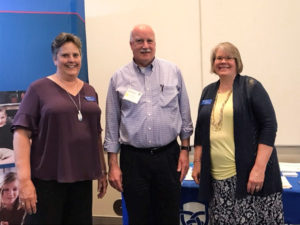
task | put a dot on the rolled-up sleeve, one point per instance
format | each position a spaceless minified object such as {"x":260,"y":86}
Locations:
{"x":113,"y":113}
{"x":184,"y":105}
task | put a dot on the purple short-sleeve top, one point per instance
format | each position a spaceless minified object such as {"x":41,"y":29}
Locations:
{"x":63,"y":148}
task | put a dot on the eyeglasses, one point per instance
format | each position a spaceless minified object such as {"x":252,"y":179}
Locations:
{"x":226,"y":58}
{"x":140,"y":41}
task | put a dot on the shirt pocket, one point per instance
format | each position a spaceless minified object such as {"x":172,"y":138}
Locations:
{"x":127,"y":106}
{"x":169,"y":97}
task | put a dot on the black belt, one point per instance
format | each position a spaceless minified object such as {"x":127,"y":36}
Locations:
{"x":152,"y":150}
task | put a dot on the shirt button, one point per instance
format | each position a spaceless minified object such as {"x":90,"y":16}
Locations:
{"x":149,"y":128}
{"x":149,"y":114}
{"x":150,"y":141}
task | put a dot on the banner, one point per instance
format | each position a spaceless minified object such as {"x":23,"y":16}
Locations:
{"x":27,"y":29}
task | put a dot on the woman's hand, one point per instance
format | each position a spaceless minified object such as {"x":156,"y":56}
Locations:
{"x":27,"y":193}
{"x":102,"y":185}
{"x":196,"y":171}
{"x":197,"y":163}
{"x":256,"y":179}
{"x":257,"y":174}
{"x":27,"y":196}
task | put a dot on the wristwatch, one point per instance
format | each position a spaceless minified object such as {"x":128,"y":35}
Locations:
{"x":188,"y":148}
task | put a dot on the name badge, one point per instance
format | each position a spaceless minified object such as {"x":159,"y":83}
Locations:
{"x":132,"y":95}
{"x":90,"y":98}
{"x":206,"y":102}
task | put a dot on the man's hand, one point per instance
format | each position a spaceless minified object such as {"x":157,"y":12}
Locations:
{"x":183,"y":164}
{"x":115,"y":177}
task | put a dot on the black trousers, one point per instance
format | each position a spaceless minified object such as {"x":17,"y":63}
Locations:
{"x":151,"y":184}
{"x":62,"y":203}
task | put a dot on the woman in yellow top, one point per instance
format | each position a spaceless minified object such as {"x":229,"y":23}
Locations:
{"x":235,"y":160}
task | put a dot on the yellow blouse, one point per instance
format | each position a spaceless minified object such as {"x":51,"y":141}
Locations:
{"x":222,"y":151}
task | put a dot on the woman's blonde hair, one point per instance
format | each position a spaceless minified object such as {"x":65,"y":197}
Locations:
{"x":8,"y":178}
{"x":229,"y":49}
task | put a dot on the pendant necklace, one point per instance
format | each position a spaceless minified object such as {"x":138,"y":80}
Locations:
{"x":218,"y":125}
{"x":79,"y":114}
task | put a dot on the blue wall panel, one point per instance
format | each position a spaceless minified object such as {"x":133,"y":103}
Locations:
{"x":27,"y":29}
{"x":76,"y":6}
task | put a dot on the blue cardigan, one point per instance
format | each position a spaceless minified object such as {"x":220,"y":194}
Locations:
{"x":254,"y":122}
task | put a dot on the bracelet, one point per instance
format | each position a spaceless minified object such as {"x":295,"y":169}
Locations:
{"x":103,"y":172}
{"x":197,"y":161}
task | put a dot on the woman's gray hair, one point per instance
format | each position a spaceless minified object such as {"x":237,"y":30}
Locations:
{"x":232,"y":51}
{"x":63,"y":38}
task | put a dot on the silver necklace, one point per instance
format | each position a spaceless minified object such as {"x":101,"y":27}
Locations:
{"x":79,"y":115}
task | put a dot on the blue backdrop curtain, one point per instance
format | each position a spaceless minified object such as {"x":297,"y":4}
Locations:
{"x":27,"y":28}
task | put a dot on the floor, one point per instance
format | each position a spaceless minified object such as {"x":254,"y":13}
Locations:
{"x":107,"y":221}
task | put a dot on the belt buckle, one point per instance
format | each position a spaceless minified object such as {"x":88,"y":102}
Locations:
{"x":152,"y":150}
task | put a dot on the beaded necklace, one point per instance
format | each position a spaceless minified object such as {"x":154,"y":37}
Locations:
{"x":217,"y":126}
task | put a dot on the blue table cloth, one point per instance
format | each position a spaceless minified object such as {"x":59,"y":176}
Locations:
{"x":291,"y":201}
{"x":290,"y":198}
{"x":193,"y":212}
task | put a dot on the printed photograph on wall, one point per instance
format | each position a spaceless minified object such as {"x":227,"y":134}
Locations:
{"x":11,"y":211}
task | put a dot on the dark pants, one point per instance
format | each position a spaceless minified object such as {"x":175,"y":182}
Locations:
{"x":151,"y":185}
{"x":62,"y":203}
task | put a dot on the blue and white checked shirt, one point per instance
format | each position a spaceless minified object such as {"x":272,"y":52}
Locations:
{"x":162,"y":113}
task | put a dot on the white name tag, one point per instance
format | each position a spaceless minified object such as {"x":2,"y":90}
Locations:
{"x":132,"y":95}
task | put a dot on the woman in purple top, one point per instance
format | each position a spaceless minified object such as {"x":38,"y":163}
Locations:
{"x":57,"y":142}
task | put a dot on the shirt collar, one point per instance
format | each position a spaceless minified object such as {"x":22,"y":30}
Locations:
{"x":149,"y":67}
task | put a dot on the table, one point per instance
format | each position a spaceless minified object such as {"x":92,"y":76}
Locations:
{"x":291,"y":201}
{"x":192,"y":212}
{"x":290,"y":197}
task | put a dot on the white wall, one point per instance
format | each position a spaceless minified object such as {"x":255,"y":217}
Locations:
{"x":266,"y":33}
{"x":176,"y":25}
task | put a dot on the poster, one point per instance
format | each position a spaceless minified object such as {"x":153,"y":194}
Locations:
{"x":27,"y":29}
{"x":11,"y":211}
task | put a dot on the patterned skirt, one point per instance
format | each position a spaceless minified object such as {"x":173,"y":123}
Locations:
{"x":224,"y":208}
